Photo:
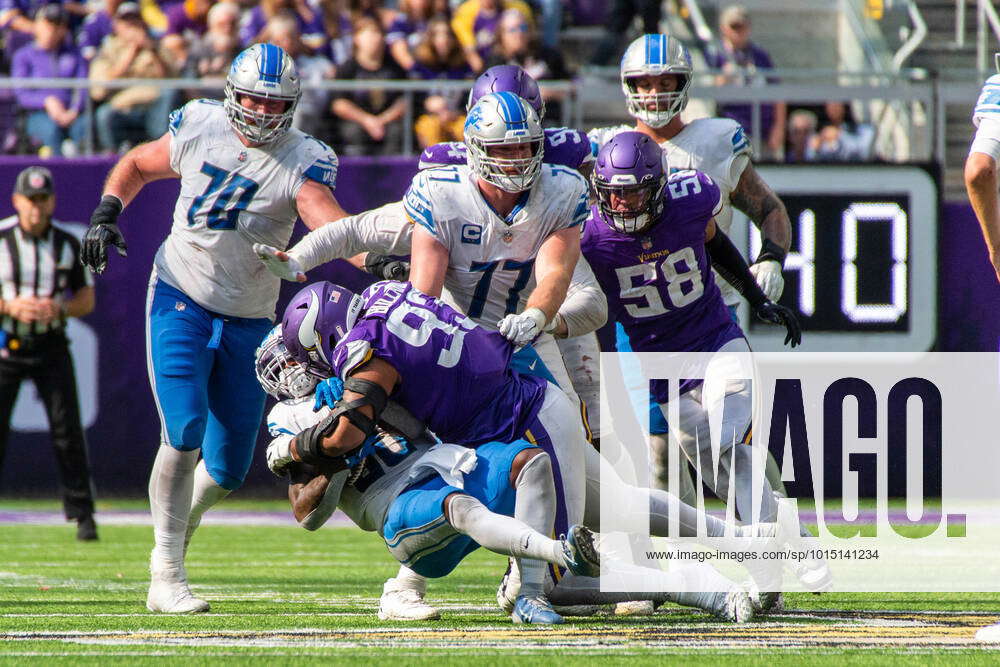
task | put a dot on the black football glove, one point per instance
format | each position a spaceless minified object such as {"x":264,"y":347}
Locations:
{"x":387,"y":268}
{"x":777,"y":314}
{"x":103,"y":232}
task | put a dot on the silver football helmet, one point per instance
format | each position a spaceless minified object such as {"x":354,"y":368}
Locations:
{"x":279,"y":374}
{"x":653,"y":55}
{"x":503,"y":119}
{"x":263,"y":70}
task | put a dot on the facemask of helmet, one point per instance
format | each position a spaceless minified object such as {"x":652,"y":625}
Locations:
{"x":262,"y":71}
{"x":279,"y":374}
{"x":654,"y":55}
{"x":504,"y":119}
{"x":630,"y":166}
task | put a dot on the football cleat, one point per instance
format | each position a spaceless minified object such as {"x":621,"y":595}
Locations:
{"x":534,"y":611}
{"x":510,"y":585}
{"x":582,"y":557}
{"x":168,"y":590}
{"x":169,"y":594}
{"x":733,"y":606}
{"x":399,"y":603}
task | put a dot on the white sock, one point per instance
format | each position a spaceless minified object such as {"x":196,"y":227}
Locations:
{"x":407,"y":579}
{"x":206,"y":494}
{"x":502,"y":534}
{"x":170,"y":486}
{"x":535,"y":505}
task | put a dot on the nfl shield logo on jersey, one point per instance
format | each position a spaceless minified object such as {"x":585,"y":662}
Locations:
{"x":507,"y":237}
{"x":646,"y":242}
{"x":242,"y":157}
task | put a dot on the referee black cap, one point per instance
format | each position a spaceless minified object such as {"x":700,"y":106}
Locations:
{"x":34,"y":181}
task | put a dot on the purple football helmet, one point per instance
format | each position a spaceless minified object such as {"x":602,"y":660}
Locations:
{"x":314,"y":322}
{"x":509,"y":79}
{"x":630,"y":168}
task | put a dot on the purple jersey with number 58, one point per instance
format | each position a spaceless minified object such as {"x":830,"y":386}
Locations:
{"x":563,"y":146}
{"x":454,"y":375}
{"x":659,"y":283}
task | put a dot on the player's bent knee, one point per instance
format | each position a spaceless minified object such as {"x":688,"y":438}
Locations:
{"x":522,"y":459}
{"x":446,"y":504}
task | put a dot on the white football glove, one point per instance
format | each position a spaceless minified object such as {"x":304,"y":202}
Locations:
{"x":280,"y":263}
{"x":279,"y":454}
{"x":524,"y":328}
{"x":768,"y":276}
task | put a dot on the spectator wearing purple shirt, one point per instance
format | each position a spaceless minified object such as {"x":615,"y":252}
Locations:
{"x":741,"y":61}
{"x":17,"y":22}
{"x":95,"y":28}
{"x":406,"y":30}
{"x":186,"y":21}
{"x":54,"y":114}
{"x":439,"y":56}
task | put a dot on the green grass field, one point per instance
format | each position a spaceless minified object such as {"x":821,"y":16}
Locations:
{"x":286,"y":596}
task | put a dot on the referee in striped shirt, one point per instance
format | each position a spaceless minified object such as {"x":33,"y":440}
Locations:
{"x":42,"y":283}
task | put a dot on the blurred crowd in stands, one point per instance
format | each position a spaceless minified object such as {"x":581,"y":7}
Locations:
{"x":372,"y":40}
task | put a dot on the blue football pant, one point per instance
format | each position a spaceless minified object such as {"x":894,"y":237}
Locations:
{"x":202,"y":374}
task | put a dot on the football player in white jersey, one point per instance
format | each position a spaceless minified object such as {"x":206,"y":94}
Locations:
{"x":246,"y":176}
{"x":500,"y":237}
{"x":981,"y":184}
{"x":981,"y":168}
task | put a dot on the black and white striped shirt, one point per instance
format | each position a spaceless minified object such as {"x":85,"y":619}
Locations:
{"x":45,"y":266}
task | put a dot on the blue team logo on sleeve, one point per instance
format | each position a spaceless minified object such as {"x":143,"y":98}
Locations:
{"x":176,"y":118}
{"x":418,"y":208}
{"x":740,"y":140}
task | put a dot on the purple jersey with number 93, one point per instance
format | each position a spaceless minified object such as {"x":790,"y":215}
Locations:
{"x":454,"y":375}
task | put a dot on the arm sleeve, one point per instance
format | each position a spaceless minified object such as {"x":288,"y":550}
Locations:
{"x":384,"y":230}
{"x":585,"y":308}
{"x":728,"y":261}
